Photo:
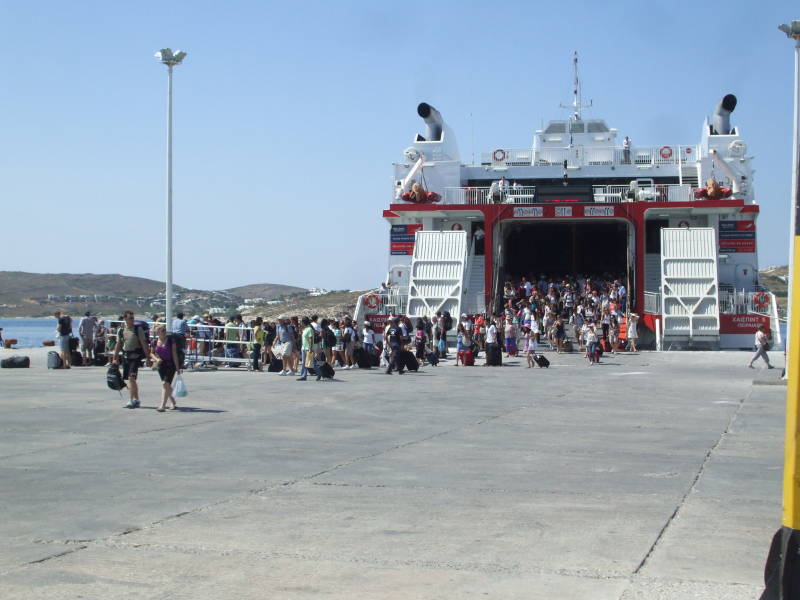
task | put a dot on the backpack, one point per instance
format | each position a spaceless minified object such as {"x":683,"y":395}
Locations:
{"x":54,"y":360}
{"x":448,"y":321}
{"x":330,"y":338}
{"x":114,"y":378}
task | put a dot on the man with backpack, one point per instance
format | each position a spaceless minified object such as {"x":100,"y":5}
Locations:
{"x":64,"y":331}
{"x":132,"y":342}
{"x":392,"y":335}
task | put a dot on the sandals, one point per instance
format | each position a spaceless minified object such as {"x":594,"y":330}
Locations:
{"x":160,"y":409}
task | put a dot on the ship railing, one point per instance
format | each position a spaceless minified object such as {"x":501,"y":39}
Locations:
{"x":739,"y":302}
{"x":759,"y":301}
{"x":652,"y":303}
{"x":481,"y":195}
{"x":581,"y":156}
{"x":608,"y":194}
{"x":667,"y":192}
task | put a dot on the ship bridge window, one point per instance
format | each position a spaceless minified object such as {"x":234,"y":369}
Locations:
{"x":596,"y":127}
{"x":576,"y":127}
{"x":555,"y":127}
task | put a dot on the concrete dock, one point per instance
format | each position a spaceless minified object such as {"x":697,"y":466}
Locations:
{"x":650,"y":476}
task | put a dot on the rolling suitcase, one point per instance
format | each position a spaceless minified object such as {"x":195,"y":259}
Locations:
{"x":468,"y":358}
{"x":432,"y":359}
{"x":542,"y":361}
{"x":362,"y":359}
{"x":75,"y":358}
{"x":275,"y":366}
{"x":408,"y":360}
{"x":494,"y":357}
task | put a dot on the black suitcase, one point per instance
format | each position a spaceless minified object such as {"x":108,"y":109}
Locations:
{"x":54,"y":361}
{"x":75,"y":358}
{"x":361,"y":358}
{"x":100,"y":360}
{"x":73,"y":343}
{"x":494,"y":357}
{"x":408,"y":360}
{"x":15,"y":362}
{"x":326,"y":371}
{"x":432,"y":359}
{"x":542,"y":361}
{"x":275,"y":365}
{"x":375,"y":359}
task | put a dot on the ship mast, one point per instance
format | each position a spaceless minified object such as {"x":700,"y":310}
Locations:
{"x":576,"y":105}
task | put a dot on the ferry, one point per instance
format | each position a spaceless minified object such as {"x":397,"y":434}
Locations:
{"x":677,"y":219}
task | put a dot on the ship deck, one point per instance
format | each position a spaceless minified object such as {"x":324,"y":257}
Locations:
{"x":649,"y":476}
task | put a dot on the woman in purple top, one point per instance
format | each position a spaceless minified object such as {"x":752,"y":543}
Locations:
{"x":166,"y":355}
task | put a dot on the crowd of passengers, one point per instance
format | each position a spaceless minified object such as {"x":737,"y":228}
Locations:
{"x":541,"y":308}
{"x":536,"y":311}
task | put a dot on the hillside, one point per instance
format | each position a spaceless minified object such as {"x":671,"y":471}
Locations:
{"x":776,"y":280}
{"x":16,"y":285}
{"x":265,"y":290}
{"x":41,"y":294}
{"x":331,"y":305}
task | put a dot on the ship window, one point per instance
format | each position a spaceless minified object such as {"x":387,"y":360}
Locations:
{"x":576,"y":127}
{"x":596,"y":127}
{"x":556,"y":128}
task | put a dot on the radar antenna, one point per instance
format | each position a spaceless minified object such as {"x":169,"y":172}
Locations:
{"x":576,"y":105}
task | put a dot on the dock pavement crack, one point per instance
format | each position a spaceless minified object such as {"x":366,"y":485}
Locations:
{"x":692,"y":486}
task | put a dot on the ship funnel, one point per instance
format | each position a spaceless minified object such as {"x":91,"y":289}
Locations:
{"x":722,"y":115}
{"x":433,"y":120}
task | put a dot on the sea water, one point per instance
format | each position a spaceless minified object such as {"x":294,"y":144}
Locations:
{"x":30,"y":333}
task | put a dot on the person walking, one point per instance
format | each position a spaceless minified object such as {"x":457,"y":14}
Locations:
{"x":132,"y":342}
{"x":307,"y":351}
{"x":86,"y":328}
{"x":591,"y":343}
{"x":166,"y":360}
{"x":285,"y":335}
{"x":762,"y":345}
{"x":631,"y":331}
{"x":392,"y":336}
{"x":258,"y":342}
{"x":368,"y":335}
{"x":64,"y":333}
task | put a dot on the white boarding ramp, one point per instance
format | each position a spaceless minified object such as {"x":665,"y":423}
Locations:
{"x":690,"y":297}
{"x":437,"y":273}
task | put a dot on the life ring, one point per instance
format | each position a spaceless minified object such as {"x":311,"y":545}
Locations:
{"x":688,"y":150}
{"x":372,"y":301}
{"x":499,"y":155}
{"x":665,"y":152}
{"x":761,"y":300}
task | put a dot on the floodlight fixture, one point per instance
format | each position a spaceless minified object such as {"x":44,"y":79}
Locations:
{"x":791,"y":30}
{"x":170,"y":58}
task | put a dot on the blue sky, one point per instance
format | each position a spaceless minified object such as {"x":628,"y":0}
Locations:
{"x":289,"y":115}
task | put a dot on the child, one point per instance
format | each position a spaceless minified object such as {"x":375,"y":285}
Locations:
{"x":531,"y":346}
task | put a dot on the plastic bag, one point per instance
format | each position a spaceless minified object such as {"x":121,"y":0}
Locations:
{"x":179,"y":387}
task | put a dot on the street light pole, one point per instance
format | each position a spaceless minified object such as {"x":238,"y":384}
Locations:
{"x":782,"y":571}
{"x":169,"y":199}
{"x":170,"y":59}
